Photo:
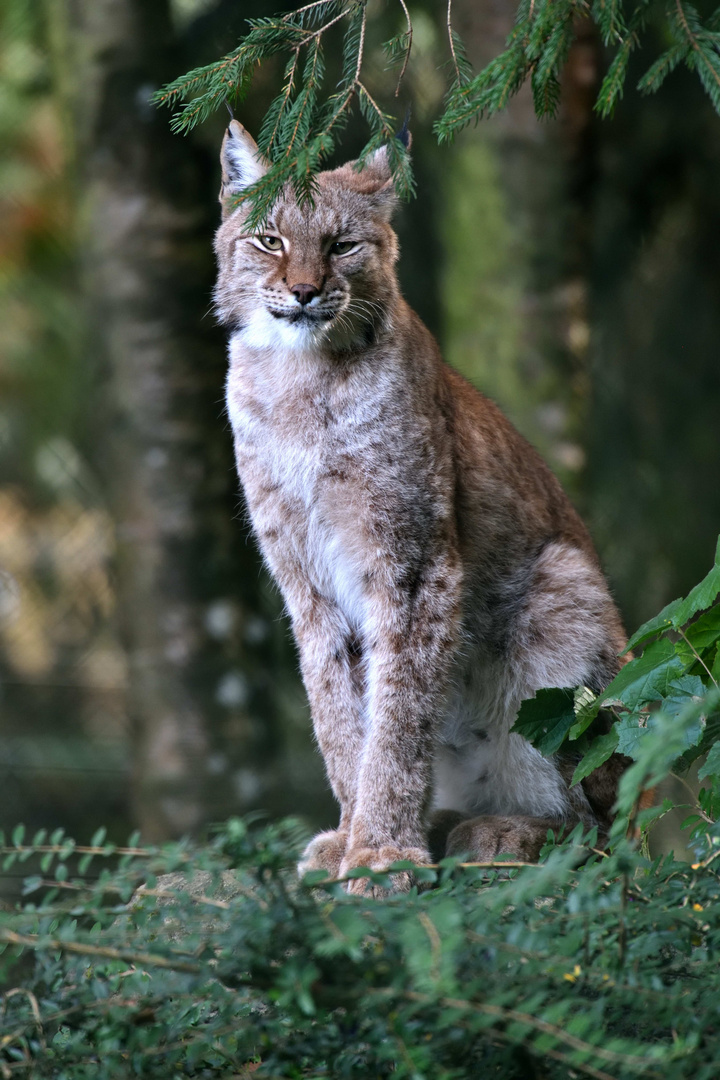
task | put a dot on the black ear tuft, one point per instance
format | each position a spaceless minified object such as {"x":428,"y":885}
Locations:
{"x":403,"y":135}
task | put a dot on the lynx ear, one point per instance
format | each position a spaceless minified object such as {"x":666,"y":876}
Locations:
{"x":375,"y":177}
{"x":377,"y":165}
{"x":241,"y":161}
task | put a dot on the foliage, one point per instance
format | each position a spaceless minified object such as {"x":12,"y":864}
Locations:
{"x":673,"y":683}
{"x":303,"y":123}
{"x":216,"y":961}
{"x":604,"y":970}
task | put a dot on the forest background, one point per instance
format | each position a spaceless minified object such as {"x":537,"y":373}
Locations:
{"x":570,"y":268}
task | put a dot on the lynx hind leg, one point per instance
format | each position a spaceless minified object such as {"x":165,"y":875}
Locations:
{"x":483,"y":839}
{"x":568,"y":633}
{"x":325,"y":851}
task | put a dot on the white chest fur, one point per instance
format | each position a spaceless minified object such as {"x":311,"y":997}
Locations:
{"x":285,"y":453}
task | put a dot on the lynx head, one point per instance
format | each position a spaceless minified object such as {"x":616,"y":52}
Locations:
{"x":314,"y":276}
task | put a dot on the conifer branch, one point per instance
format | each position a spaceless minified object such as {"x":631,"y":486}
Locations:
{"x":451,"y":42}
{"x":408,"y":47}
{"x":303,"y":123}
{"x":694,"y":38}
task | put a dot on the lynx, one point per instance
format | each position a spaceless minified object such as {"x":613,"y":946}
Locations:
{"x":433,"y":569}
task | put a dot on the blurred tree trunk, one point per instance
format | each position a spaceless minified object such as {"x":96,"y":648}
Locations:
{"x":143,"y":267}
{"x":213,"y":692}
{"x":517,"y":316}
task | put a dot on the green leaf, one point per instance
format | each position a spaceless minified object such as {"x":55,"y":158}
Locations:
{"x":631,"y":731}
{"x":701,"y":634}
{"x":643,"y":678}
{"x":715,"y":669}
{"x":656,"y":755}
{"x":31,"y":884}
{"x":653,"y":813}
{"x":682,"y":692}
{"x":660,"y":622}
{"x":18,"y":835}
{"x":600,"y":750}
{"x":546,"y":719}
{"x":584,"y":704}
{"x":711,"y":765}
{"x":702,"y":596}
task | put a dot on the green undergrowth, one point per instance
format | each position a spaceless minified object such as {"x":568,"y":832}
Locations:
{"x":214,"y":960}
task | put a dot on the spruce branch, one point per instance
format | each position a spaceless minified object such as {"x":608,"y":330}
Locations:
{"x":705,"y":45}
{"x":304,"y":121}
{"x":408,"y":35}
{"x":451,"y":42}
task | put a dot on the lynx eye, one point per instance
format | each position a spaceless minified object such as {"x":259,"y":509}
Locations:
{"x":342,"y":247}
{"x":271,"y":243}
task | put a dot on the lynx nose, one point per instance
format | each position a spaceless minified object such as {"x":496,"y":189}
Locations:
{"x":305,"y":293}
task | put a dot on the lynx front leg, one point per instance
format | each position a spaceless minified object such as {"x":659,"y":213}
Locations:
{"x":412,"y":644}
{"x":332,"y":672}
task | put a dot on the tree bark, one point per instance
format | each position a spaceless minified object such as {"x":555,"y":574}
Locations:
{"x":206,"y":657}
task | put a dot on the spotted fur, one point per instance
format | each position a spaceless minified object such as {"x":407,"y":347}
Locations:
{"x":433,"y":569}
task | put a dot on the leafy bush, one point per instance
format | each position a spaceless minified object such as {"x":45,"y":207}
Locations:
{"x":214,"y":961}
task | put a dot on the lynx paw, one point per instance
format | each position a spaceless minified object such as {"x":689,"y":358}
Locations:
{"x":324,"y":852}
{"x":484,"y":838}
{"x":379,"y":859}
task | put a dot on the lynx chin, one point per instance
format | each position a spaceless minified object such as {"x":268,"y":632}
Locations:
{"x":434,"y":571}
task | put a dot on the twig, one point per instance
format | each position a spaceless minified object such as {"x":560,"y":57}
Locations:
{"x":452,"y":43}
{"x":307,"y":90}
{"x":35,"y":941}
{"x":687,"y":640}
{"x":536,"y":1022}
{"x":67,"y":849}
{"x":716,"y":77}
{"x":321,"y":29}
{"x":706,"y":862}
{"x":371,"y":101}
{"x":621,"y":921}
{"x":35,"y":1011}
{"x":597,"y":1074}
{"x":301,"y":11}
{"x":361,"y":45}
{"x":497,"y":864}
{"x":435,"y":942}
{"x":408,"y":47}
{"x":696,"y":805}
{"x":288,"y":91}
